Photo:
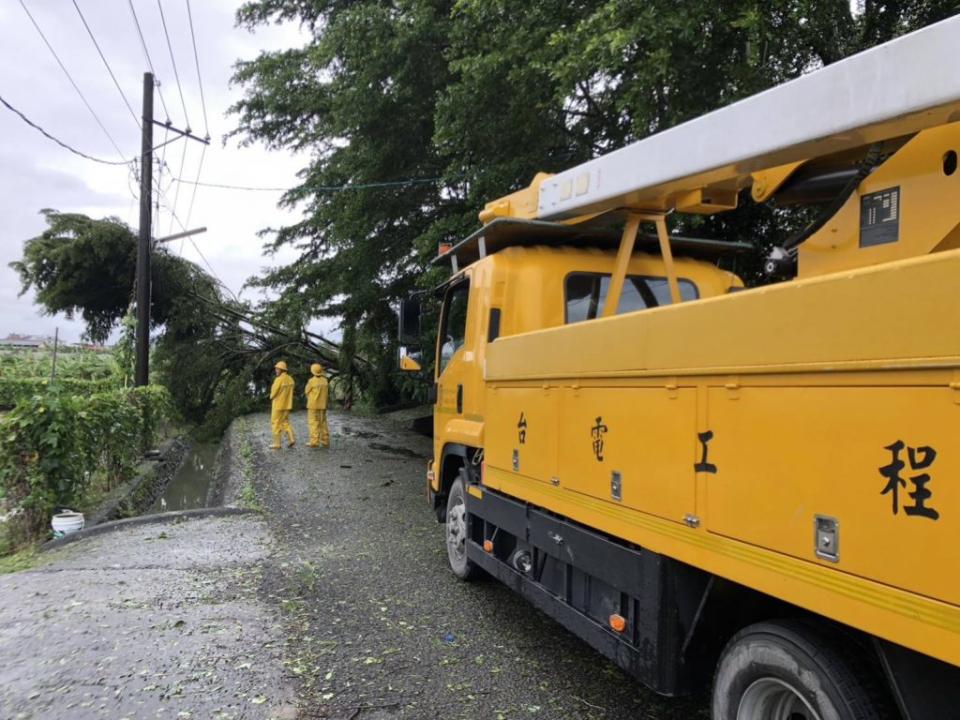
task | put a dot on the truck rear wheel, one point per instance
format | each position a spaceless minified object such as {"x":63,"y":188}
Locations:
{"x":456,"y":533}
{"x":793,"y":671}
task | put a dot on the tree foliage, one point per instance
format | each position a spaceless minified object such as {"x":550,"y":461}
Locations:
{"x":369,"y":121}
{"x":483,"y":94}
{"x":82,"y":266}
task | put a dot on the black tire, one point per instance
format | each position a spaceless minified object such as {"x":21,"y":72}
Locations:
{"x":455,"y":533}
{"x":794,"y":670}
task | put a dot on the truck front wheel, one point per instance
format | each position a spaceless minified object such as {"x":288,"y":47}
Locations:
{"x":793,"y":671}
{"x":456,"y":533}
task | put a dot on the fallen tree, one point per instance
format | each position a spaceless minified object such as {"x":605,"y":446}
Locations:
{"x":213,"y":352}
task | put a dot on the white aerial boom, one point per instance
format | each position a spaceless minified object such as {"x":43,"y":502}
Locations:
{"x":882,"y":93}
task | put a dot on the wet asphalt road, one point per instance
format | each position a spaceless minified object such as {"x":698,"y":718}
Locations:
{"x":374,"y":624}
{"x":156,"y":621}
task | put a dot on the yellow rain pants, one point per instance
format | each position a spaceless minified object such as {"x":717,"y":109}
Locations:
{"x":316,"y":392}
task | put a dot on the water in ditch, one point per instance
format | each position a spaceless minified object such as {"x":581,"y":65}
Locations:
{"x":188,"y":488}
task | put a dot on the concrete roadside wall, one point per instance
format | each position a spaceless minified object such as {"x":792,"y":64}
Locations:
{"x":147,"y":484}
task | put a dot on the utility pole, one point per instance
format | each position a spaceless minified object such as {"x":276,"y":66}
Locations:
{"x":142,"y":372}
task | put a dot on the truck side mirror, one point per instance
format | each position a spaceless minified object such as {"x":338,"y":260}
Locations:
{"x":410,"y":363}
{"x":409,"y":335}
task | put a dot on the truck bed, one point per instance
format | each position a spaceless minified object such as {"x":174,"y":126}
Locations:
{"x":800,"y":439}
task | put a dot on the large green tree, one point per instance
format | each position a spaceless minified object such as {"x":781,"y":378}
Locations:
{"x":360,"y":98}
{"x":483,"y":94}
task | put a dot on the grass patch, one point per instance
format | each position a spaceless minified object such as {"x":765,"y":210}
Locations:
{"x":248,"y":497}
{"x":23,"y":559}
{"x":248,"y":494}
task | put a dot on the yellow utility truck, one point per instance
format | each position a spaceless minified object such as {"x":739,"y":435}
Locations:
{"x":754,"y":492}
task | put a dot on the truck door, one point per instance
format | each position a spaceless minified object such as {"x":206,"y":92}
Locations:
{"x":454,"y":356}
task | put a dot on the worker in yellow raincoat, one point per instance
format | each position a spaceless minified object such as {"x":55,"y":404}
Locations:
{"x":316,"y":392}
{"x":281,"y":396}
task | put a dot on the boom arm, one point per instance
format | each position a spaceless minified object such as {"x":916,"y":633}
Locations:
{"x":889,"y":91}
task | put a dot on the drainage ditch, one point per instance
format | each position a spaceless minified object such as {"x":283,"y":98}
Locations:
{"x":189,"y":487}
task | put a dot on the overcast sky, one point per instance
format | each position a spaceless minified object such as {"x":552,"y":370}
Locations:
{"x":36,"y":173}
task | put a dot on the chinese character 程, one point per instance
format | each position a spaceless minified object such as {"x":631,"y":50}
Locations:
{"x":919,"y":458}
{"x":597,"y":432}
{"x":522,"y":429}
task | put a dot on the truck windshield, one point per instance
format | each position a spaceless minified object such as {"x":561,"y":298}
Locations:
{"x":454,"y":323}
{"x":587,"y":292}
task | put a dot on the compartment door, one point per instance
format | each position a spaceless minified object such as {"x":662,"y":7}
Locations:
{"x":880,"y":464}
{"x":646,"y":436}
{"x":521,"y":431}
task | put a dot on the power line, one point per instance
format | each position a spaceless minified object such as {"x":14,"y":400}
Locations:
{"x":196,"y":247}
{"x":59,"y":142}
{"x":176,"y":74}
{"x":70,"y":78}
{"x":161,"y":192}
{"x":170,"y":209}
{"x":146,"y":54}
{"x":231,"y":187}
{"x":193,"y":195}
{"x":162,"y":163}
{"x":210,"y":268}
{"x":132,"y":175}
{"x":176,"y":193}
{"x":106,"y":64}
{"x":196,"y":59}
{"x":157,"y":187}
{"x":322,"y":188}
{"x":155,"y":215}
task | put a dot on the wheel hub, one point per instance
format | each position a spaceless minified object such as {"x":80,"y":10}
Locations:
{"x":774,"y":699}
{"x":457,"y":530}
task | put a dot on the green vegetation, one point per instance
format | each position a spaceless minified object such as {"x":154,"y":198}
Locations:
{"x":69,"y":438}
{"x":13,"y":390}
{"x":56,"y":448}
{"x":72,"y":364}
{"x":23,"y":559}
{"x":471,"y":98}
{"x":25,"y":373}
{"x":81,"y":266}
{"x":248,"y":494}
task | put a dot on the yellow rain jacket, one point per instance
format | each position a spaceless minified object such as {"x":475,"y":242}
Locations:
{"x":282,"y":392}
{"x":281,"y":397}
{"x":316,"y":391}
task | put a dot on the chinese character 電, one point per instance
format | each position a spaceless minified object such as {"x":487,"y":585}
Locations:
{"x":597,"y":433}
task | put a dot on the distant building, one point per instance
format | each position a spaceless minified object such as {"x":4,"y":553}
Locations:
{"x":29,"y":342}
